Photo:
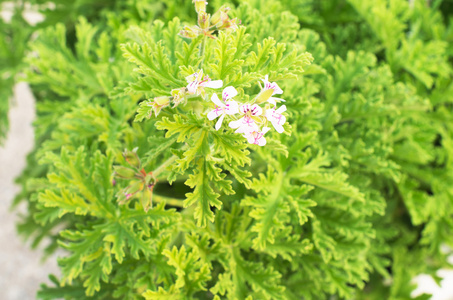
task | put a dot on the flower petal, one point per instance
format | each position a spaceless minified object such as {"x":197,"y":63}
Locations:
{"x":216,"y":100}
{"x":219,"y":122}
{"x":235,"y":124}
{"x":279,"y":128}
{"x":213,"y":84}
{"x":192,"y":87}
{"x":215,"y":113}
{"x":256,"y":110}
{"x":232,"y":107}
{"x":281,"y":109}
{"x":261,"y":141}
{"x":228,"y":93}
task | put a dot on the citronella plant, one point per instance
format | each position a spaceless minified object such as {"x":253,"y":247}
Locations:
{"x":216,"y":159}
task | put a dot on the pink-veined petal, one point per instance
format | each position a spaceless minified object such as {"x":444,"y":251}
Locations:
{"x":244,"y":108}
{"x":256,"y":110}
{"x":216,"y":100}
{"x":276,"y":88}
{"x":213,"y":84}
{"x":232,"y":107}
{"x":192,"y":87}
{"x":228,"y":93}
{"x":246,"y":127}
{"x":215,"y":113}
{"x":219,"y":122}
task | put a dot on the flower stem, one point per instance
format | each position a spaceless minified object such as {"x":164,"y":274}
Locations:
{"x":168,"y":200}
{"x":165,"y":164}
{"x":202,"y":48}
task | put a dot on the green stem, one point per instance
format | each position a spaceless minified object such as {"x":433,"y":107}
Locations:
{"x":202,"y":49}
{"x":168,"y":200}
{"x":164,"y":165}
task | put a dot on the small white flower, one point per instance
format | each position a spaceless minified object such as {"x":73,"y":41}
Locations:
{"x":197,"y":82}
{"x":247,"y":124}
{"x":225,"y":107}
{"x":270,"y":89}
{"x":257,"y":137}
{"x":276,"y":118}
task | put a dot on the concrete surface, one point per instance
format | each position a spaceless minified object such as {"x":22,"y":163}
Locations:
{"x":21,"y":269}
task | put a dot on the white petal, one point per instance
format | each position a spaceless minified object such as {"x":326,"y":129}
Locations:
{"x":261,"y":141}
{"x":247,"y":128}
{"x":266,"y":79}
{"x":235,"y":124}
{"x":219,"y":122}
{"x":244,"y":108}
{"x":272,"y":101}
{"x":192,"y":87}
{"x":214,"y":114}
{"x":216,"y":100}
{"x":276,"y":88}
{"x":250,"y":138}
{"x":256,"y":110}
{"x":281,"y":109}
{"x":270,"y":114}
{"x":228,"y":93}
{"x":232,"y":107}
{"x":265,"y":130}
{"x":213,"y":84}
{"x":275,"y":100}
{"x":278,"y":127}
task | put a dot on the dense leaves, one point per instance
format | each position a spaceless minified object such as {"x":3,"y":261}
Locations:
{"x":356,"y":193}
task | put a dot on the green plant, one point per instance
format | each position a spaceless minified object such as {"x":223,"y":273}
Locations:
{"x":159,"y":200}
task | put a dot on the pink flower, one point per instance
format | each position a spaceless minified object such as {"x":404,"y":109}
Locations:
{"x":197,"y":82}
{"x":247,"y":124}
{"x":225,"y":107}
{"x":276,"y":118}
{"x":257,"y":137}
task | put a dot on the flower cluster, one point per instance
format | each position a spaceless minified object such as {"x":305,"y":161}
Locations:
{"x":207,"y":24}
{"x":250,"y":119}
{"x":141,"y":183}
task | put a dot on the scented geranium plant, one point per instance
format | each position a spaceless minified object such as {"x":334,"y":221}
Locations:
{"x":234,"y":155}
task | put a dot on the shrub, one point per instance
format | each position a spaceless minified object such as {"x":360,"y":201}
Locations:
{"x":152,"y":196}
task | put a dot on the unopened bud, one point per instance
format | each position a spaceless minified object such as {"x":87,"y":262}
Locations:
{"x":146,"y":199}
{"x":123,"y":172}
{"x":264,"y":95}
{"x":135,"y":187}
{"x":200,"y":5}
{"x":220,"y":16}
{"x":203,"y":20}
{"x":190,"y":32}
{"x":132,"y":158}
{"x":231,"y":24}
{"x":149,"y":179}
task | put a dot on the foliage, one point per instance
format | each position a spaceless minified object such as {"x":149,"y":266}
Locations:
{"x":356,"y":192}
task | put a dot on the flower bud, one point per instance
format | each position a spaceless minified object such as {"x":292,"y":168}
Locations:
{"x":200,"y":5}
{"x":132,"y":158}
{"x":264,"y":95}
{"x":190,"y":32}
{"x":203,"y":20}
{"x":231,"y":24}
{"x":133,"y":188}
{"x":220,"y":16}
{"x":146,"y":199}
{"x":159,"y":103}
{"x":149,"y":179}
{"x":123,"y":172}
